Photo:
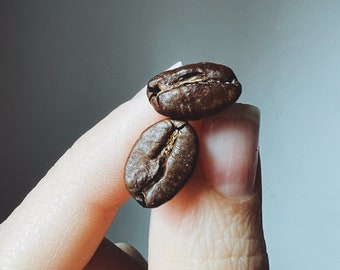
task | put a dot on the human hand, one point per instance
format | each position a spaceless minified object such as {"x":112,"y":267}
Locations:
{"x":214,"y":222}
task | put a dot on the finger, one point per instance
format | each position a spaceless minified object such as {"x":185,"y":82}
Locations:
{"x":111,"y":256}
{"x":62,"y":221}
{"x":215,"y":222}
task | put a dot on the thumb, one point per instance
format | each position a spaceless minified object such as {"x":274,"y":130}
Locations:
{"x":215,"y":222}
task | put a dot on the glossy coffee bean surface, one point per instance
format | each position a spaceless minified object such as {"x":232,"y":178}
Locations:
{"x":193,"y":91}
{"x":161,"y":162}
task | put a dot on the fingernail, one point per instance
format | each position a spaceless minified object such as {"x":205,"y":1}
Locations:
{"x":229,"y":147}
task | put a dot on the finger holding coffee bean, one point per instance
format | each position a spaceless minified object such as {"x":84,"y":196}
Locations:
{"x":214,"y":222}
{"x":164,"y":157}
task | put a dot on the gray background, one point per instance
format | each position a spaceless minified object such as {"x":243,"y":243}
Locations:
{"x":64,"y":65}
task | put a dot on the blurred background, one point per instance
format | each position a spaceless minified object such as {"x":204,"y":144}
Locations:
{"x":64,"y":65}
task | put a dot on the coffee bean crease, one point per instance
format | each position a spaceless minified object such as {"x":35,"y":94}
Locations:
{"x":161,"y":162}
{"x":193,"y":91}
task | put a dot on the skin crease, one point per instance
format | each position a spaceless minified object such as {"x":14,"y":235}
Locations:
{"x":64,"y":219}
{"x":208,"y":235}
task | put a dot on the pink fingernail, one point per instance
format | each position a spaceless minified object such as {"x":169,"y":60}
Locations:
{"x":229,"y":147}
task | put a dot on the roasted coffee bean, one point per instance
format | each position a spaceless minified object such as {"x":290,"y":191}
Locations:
{"x":193,"y":91}
{"x":161,"y":162}
{"x":164,"y":157}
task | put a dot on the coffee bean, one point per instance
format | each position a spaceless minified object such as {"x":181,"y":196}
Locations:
{"x":161,"y":162}
{"x":164,"y":157}
{"x":193,"y":91}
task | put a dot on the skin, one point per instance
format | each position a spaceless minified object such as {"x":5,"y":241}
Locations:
{"x":214,"y":222}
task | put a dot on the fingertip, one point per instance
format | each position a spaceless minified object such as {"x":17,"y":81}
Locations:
{"x":229,"y":150}
{"x":222,"y":201}
{"x":80,"y":195}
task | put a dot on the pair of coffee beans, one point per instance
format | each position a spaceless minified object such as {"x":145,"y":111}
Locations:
{"x":164,"y":157}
